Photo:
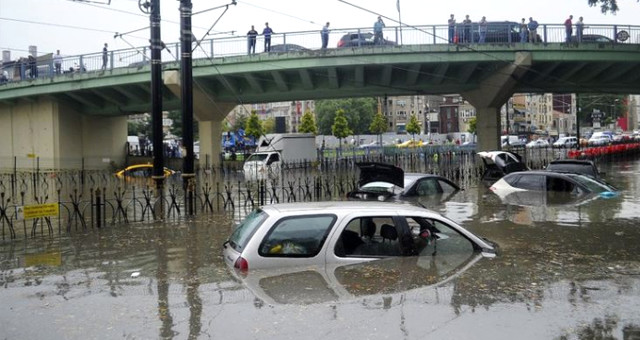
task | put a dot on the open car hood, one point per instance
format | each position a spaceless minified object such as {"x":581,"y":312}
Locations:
{"x":380,"y":172}
{"x":491,"y":157}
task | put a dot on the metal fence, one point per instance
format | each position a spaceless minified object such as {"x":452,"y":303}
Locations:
{"x":309,"y":42}
{"x":97,"y":199}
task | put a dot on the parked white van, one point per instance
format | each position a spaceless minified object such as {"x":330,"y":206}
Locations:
{"x":566,"y":142}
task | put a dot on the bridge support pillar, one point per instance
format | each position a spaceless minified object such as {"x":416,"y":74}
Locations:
{"x":209,"y":113}
{"x":51,"y":135}
{"x":491,"y":95}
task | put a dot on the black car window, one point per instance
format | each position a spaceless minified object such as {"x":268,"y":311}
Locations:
{"x":369,"y":237}
{"x":434,"y":237}
{"x":530,"y":182}
{"x":446,"y":187}
{"x":557,"y":184}
{"x":139,"y":172}
{"x":426,"y":187}
{"x":299,"y":236}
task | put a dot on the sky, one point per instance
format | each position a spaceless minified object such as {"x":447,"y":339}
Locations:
{"x":76,"y":27}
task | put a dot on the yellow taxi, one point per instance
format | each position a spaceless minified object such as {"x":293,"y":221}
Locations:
{"x":141,"y":171}
{"x":410,"y":144}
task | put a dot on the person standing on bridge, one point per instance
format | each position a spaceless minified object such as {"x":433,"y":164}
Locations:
{"x":105,"y":57}
{"x":533,"y":30}
{"x":57,"y":62}
{"x":579,"y":29}
{"x":267,"y":32}
{"x":252,"y":35}
{"x":325,"y":36}
{"x":466,"y":35}
{"x":568,"y":27}
{"x":524,"y":31}
{"x":482,"y":30}
{"x":452,"y":28}
{"x":377,"y":32}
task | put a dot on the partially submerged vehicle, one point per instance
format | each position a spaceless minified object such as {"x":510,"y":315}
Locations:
{"x":499,"y":163}
{"x":382,"y":182}
{"x":578,"y":166}
{"x":544,"y":187}
{"x":342,"y":233}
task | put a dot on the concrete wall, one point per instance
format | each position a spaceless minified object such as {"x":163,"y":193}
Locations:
{"x":49,"y":135}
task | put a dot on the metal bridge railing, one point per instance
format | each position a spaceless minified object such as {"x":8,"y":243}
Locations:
{"x":498,"y":33}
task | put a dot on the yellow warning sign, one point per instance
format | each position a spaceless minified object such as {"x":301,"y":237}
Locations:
{"x":50,"y":258}
{"x":39,"y":210}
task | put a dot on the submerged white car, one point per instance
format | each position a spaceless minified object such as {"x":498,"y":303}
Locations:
{"x":344,"y":232}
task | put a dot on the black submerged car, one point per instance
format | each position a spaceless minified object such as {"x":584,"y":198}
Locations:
{"x":382,"y":182}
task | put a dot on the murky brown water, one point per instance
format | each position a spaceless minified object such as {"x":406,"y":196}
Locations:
{"x":567,"y":271}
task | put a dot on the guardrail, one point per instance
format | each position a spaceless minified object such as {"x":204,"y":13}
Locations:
{"x":310,"y":41}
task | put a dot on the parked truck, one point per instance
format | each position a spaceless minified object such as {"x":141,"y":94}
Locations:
{"x":273,"y":150}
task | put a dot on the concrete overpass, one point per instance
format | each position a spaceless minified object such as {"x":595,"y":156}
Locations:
{"x":83,"y":115}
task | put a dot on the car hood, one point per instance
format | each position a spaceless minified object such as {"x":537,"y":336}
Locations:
{"x":380,"y":172}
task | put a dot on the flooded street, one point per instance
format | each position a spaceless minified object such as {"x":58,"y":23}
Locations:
{"x":564,"y":271}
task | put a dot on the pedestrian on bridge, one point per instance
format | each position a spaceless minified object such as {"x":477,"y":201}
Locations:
{"x":57,"y":62}
{"x":267,"y":32}
{"x":568,"y":27}
{"x":482,"y":30}
{"x":452,"y":28}
{"x":325,"y":36}
{"x":466,"y":35}
{"x":252,"y":35}
{"x":105,"y":56}
{"x":524,"y":31}
{"x":533,"y":30}
{"x":579,"y":29}
{"x":377,"y":32}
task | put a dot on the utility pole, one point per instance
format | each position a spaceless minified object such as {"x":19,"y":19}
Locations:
{"x":186,"y":86}
{"x":156,"y":97}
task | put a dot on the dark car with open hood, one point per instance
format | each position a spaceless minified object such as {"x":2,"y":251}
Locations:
{"x":386,"y":182}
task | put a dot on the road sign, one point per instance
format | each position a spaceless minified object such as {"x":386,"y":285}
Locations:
{"x":37,"y":211}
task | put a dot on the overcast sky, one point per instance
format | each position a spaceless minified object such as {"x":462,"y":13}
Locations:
{"x":78,"y":28}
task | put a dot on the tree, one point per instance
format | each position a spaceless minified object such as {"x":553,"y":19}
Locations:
{"x":253,"y":127}
{"x":359,"y":113}
{"x":308,"y":124}
{"x":269,"y":125}
{"x":413,"y":126}
{"x":606,"y":6}
{"x":240,"y":122}
{"x":340,"y":127}
{"x":139,"y":128}
{"x":378,"y":126}
{"x":472,"y":125}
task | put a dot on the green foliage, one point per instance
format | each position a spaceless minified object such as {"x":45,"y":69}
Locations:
{"x":269,"y":125}
{"x":240,"y":122}
{"x":308,"y":124}
{"x":359,"y":113}
{"x":606,"y":6}
{"x":611,"y":105}
{"x":472,"y":125}
{"x":378,"y":124}
{"x":253,"y":126}
{"x":139,"y":128}
{"x":340,"y":127}
{"x":413,"y":126}
{"x":176,"y":125}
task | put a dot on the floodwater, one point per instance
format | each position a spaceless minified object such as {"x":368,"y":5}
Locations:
{"x":564,"y":271}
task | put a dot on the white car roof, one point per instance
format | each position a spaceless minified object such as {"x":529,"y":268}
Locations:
{"x":345,"y":207}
